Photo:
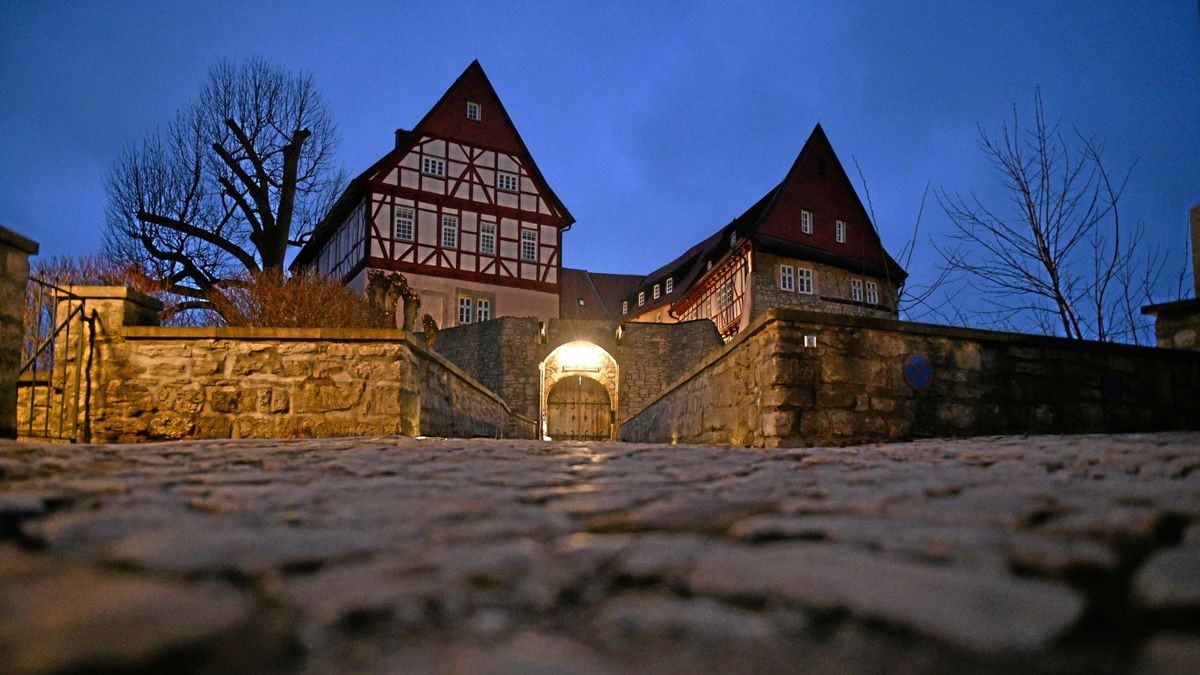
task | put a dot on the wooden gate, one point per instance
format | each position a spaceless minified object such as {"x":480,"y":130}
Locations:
{"x":578,"y":408}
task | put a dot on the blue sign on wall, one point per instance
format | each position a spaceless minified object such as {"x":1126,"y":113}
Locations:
{"x":918,"y":372}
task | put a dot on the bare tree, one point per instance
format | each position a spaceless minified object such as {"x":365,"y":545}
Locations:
{"x":1058,"y":255}
{"x":238,"y":176}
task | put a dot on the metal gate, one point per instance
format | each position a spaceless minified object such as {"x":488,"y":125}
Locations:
{"x":578,"y":408}
{"x":49,"y":387}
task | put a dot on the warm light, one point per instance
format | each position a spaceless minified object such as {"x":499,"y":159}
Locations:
{"x":580,"y":356}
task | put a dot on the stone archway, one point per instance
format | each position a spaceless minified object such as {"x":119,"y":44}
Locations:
{"x":579,"y":392}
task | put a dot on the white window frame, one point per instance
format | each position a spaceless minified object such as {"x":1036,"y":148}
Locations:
{"x":805,"y":283}
{"x":670,"y":284}
{"x":433,"y":166}
{"x":474,"y":112}
{"x":787,"y":278}
{"x":465,"y":306}
{"x":406,"y":221}
{"x":449,"y":231}
{"x":624,"y":307}
{"x":487,"y":239}
{"x":529,"y":245}
{"x":872,"y":293}
{"x":641,"y":298}
{"x":806,"y":221}
{"x":483,"y":310}
{"x":856,"y":290}
{"x":508,"y":182}
{"x":657,"y":291}
{"x":840,"y":232}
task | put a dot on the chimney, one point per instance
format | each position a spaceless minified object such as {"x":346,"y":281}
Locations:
{"x":1195,"y":218}
{"x":401,"y":133}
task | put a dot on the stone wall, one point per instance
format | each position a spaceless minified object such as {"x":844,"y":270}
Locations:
{"x":161,"y":383}
{"x":767,"y":389}
{"x":1176,"y":324}
{"x":653,"y":355}
{"x":503,"y":354}
{"x":14,"y":276}
{"x":831,"y":290}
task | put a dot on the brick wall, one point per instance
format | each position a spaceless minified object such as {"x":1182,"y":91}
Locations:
{"x":767,"y":389}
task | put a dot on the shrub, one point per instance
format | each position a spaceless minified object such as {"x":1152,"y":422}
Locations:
{"x":304,"y":300}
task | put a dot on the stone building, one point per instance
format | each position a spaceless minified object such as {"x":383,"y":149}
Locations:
{"x":807,"y":244}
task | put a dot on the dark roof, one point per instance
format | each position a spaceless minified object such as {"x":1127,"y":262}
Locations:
{"x":600,"y":294}
{"x":473,"y":80}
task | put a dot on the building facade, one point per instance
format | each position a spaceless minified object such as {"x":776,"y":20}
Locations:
{"x":807,"y":244}
{"x":460,"y":208}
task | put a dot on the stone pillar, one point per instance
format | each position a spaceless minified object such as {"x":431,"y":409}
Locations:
{"x":1194,"y":217}
{"x":14,"y":275}
{"x":87,"y":347}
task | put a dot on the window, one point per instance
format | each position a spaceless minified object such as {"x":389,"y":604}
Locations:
{"x":624,"y":306}
{"x":450,"y":231}
{"x":507,"y":181}
{"x":433,"y":166}
{"x":804,"y":281}
{"x":787,"y":278}
{"x":483,"y":309}
{"x":670,"y":284}
{"x":841,"y":231}
{"x":732,"y":239}
{"x":464,"y":310}
{"x":487,"y":239}
{"x":641,"y":298}
{"x":656,"y":291}
{"x":404,"y":224}
{"x":872,"y":293}
{"x":473,"y":111}
{"x":725,"y":294}
{"x":806,"y":221}
{"x":856,"y":291}
{"x":528,"y":245}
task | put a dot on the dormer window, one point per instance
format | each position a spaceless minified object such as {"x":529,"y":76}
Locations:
{"x":624,"y":306}
{"x":732,"y":239}
{"x":806,"y":221}
{"x":670,"y":284}
{"x":656,"y":291}
{"x":841,"y":231}
{"x":641,"y":298}
{"x":473,"y":111}
{"x":708,"y":266}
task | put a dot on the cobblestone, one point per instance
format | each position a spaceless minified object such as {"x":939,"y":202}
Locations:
{"x":403,"y":555}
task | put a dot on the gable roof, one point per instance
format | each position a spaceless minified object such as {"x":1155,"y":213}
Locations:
{"x":593,"y":295}
{"x":446,"y":119}
{"x":772,"y":224}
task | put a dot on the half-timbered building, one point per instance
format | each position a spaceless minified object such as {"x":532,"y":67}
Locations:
{"x":459,"y":207}
{"x":808,"y":243}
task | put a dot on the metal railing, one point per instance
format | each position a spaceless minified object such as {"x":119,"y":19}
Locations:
{"x":49,"y":391}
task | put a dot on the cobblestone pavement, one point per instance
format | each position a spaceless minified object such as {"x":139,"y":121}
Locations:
{"x":400,"y":555}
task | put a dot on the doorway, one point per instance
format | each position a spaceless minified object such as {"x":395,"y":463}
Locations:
{"x":578,"y":408}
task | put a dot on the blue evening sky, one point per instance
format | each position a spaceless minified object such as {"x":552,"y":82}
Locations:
{"x":656,"y":122}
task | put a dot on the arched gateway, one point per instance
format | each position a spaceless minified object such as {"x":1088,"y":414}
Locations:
{"x":579,"y":393}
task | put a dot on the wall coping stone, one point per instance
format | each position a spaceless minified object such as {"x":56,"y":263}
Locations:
{"x":18,"y":241}
{"x":115,"y":293}
{"x":257,"y":333}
